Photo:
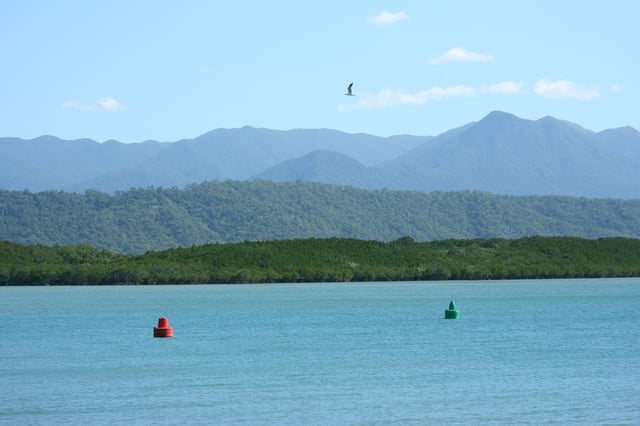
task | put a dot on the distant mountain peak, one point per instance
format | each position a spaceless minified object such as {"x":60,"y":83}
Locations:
{"x":496,"y":121}
{"x":499,"y":115}
{"x":47,"y":139}
{"x":626,"y":130}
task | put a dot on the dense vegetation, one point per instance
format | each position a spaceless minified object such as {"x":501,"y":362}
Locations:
{"x":323,"y":260}
{"x":140,"y":220}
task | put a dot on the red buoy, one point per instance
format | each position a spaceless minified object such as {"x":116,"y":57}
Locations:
{"x":163,"y":329}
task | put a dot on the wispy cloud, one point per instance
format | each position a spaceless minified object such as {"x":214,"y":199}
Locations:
{"x":106,"y":104}
{"x":616,"y":88}
{"x":387,"y":18}
{"x":458,"y":54}
{"x":72,"y":104}
{"x":564,"y":89}
{"x":109,"y":104}
{"x":392,"y":97}
{"x":395,"y":97}
{"x":506,"y":87}
{"x":386,"y":98}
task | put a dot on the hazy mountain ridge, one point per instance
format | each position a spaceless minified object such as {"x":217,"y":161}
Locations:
{"x":500,"y":154}
{"x":49,"y":163}
{"x":507,"y":155}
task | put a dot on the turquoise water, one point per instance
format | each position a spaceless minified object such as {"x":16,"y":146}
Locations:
{"x":522,"y":352}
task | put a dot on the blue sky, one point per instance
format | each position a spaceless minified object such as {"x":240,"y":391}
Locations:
{"x":167,"y":70}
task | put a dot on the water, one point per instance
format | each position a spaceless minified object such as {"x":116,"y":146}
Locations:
{"x":532,"y":352}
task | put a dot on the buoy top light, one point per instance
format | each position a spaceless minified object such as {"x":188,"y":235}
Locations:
{"x":452,"y":312}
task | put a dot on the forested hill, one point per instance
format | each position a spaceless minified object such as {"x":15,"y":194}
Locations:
{"x":139,"y":220}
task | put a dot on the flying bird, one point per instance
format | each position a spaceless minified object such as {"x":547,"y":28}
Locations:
{"x":349,"y":92}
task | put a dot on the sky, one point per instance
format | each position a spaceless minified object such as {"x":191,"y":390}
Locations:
{"x":170,"y":70}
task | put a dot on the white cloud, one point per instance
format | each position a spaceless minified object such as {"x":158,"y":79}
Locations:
{"x":458,"y":54}
{"x":616,"y":88}
{"x":392,"y":97}
{"x":106,"y":104}
{"x":109,"y":104}
{"x":387,"y":18}
{"x":72,"y":104}
{"x":564,"y":89}
{"x":506,"y":87}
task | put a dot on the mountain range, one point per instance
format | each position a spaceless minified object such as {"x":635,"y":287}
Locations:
{"x":501,"y":154}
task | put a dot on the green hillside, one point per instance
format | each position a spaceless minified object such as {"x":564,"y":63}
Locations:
{"x":325,"y":260}
{"x":139,"y":220}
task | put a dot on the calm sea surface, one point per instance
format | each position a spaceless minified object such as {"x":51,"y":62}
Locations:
{"x":522,"y":352}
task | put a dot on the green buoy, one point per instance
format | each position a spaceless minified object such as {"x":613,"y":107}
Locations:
{"x":452,"y":312}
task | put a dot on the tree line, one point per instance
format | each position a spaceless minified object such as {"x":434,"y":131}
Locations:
{"x":323,"y":260}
